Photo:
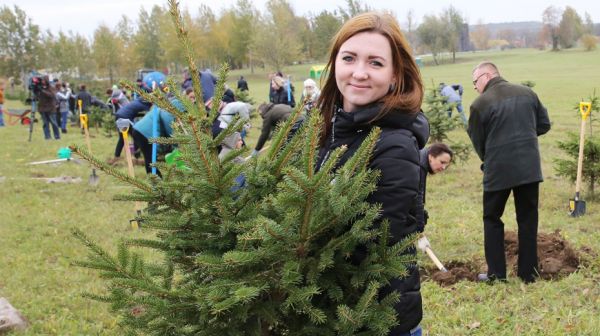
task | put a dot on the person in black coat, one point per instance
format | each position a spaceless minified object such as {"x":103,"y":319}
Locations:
{"x":434,"y":159}
{"x":370,"y":84}
{"x":282,"y":92}
{"x":86,"y":99}
{"x":242,"y":84}
{"x":504,"y":124}
{"x":47,"y":108}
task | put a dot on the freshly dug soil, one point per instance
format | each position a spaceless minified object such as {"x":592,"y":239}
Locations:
{"x":457,"y":271}
{"x":556,"y":257}
{"x":556,"y":260}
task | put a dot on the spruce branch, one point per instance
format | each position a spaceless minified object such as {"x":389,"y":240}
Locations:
{"x":281,"y":134}
{"x":362,"y":157}
{"x":311,"y":143}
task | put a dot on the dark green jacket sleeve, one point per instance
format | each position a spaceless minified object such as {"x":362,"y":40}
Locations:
{"x":476,"y":130}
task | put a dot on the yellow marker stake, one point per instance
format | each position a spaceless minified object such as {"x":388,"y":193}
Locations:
{"x":79,"y":104}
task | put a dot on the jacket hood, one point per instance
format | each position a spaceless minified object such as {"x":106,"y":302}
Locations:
{"x":264,"y":108}
{"x":359,"y":119}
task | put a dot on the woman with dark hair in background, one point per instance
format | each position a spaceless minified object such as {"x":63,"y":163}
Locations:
{"x":434,"y":159}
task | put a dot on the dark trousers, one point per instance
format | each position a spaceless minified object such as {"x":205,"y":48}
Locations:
{"x":121,"y":143}
{"x":49,"y":119}
{"x":146,"y":148}
{"x":526,"y":206}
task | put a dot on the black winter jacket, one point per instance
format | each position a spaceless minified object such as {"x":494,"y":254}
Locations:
{"x":47,"y":100}
{"x":504,"y":123}
{"x":86,"y":100}
{"x":396,"y":157}
{"x":280,"y":96}
{"x":424,"y":171}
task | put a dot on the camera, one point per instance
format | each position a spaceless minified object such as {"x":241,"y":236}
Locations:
{"x":35,"y":83}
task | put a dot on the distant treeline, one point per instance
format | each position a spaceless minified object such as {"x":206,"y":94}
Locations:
{"x":245,"y":37}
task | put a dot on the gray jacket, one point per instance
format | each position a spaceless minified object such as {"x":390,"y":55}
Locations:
{"x":504,"y":124}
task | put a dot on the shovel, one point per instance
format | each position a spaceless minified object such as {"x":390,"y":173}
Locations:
{"x":423,"y":245}
{"x":123,"y":126}
{"x":83,"y":118}
{"x":576,"y":205}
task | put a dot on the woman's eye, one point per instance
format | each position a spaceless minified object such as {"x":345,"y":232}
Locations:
{"x":347,"y":58}
{"x":377,"y":63}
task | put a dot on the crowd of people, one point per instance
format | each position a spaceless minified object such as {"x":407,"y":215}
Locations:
{"x":57,"y":104}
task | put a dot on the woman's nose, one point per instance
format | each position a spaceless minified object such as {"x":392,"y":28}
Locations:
{"x":360,"y":72}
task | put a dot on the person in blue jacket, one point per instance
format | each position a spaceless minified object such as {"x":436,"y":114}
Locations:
{"x":142,"y":130}
{"x":453,"y":94}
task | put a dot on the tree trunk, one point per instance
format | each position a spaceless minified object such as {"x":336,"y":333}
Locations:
{"x":555,"y":43}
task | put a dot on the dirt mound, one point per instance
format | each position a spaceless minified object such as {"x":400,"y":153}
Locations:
{"x":556,"y":257}
{"x":556,"y":260}
{"x":457,"y":271}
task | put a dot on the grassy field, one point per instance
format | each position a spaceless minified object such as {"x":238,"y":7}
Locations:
{"x":37,"y":248}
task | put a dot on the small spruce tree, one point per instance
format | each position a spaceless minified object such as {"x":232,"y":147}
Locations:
{"x":440,"y":125}
{"x":591,"y":151}
{"x":270,"y":258}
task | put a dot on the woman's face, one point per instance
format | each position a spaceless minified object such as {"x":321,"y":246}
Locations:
{"x":439,"y":163}
{"x":192,"y":96}
{"x":364,"y":69}
{"x":309,"y":89}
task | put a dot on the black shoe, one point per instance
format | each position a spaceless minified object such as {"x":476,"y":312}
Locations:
{"x":64,"y":130}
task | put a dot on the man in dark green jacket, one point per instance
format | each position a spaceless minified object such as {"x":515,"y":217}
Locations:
{"x":504,"y":123}
{"x":273,"y":114}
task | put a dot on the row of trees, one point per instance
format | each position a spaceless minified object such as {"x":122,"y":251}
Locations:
{"x":565,"y":28}
{"x":240,"y":35}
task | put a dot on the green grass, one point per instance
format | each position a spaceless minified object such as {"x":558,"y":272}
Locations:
{"x":37,"y":247}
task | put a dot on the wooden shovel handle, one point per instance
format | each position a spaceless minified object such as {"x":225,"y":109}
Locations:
{"x":128,"y":153}
{"x":435,"y":260}
{"x":87,"y":138}
{"x":580,"y":159}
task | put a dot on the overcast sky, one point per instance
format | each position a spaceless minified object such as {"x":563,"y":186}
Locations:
{"x":84,"y":16}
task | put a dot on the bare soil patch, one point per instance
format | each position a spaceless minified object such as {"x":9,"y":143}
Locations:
{"x":557,"y":259}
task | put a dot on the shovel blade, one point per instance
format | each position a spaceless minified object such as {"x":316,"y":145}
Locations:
{"x":576,"y":207}
{"x":94,"y":179}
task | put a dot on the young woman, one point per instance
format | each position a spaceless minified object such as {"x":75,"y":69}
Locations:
{"x":373,"y":81}
{"x":434,"y":159}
